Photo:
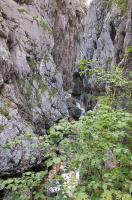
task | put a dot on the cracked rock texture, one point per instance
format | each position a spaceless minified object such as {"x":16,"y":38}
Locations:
{"x":107,"y":35}
{"x":36,"y":37}
{"x":40,"y":43}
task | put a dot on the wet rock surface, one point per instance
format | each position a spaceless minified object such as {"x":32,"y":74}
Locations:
{"x":74,"y":110}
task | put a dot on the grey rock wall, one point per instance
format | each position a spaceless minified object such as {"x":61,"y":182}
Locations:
{"x":107,"y":35}
{"x":67,"y":28}
{"x":35,"y":40}
{"x":40,"y":43}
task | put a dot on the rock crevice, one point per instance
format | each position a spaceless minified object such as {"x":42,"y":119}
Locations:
{"x":41,"y":42}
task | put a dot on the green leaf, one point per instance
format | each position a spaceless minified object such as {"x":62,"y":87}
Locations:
{"x":130,"y":188}
{"x":56,"y":160}
{"x":27,"y":173}
{"x":49,"y":163}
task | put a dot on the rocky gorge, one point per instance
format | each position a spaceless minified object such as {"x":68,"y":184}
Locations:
{"x":41,"y":44}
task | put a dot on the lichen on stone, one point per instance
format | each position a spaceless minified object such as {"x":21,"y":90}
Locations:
{"x":5,"y":112}
{"x":53,"y":92}
{"x":43,"y":23}
{"x":22,"y":10}
{"x":1,"y":128}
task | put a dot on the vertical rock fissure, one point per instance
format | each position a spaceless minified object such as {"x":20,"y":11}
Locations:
{"x":41,"y":44}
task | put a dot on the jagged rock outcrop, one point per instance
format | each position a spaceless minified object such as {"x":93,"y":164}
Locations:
{"x":67,"y":30}
{"x":39,"y":43}
{"x":37,"y":46}
{"x":18,"y":144}
{"x":106,"y":37}
{"x":107,"y":33}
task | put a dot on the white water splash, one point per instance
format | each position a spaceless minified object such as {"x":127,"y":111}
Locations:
{"x":88,"y":2}
{"x":81,"y":108}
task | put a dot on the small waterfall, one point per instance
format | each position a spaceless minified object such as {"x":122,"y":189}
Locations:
{"x":82,"y":108}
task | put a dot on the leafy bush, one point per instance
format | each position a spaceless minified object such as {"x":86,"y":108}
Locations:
{"x":103,"y":141}
{"x":99,"y":145}
{"x":103,"y":175}
{"x":25,"y":187}
{"x":100,"y":131}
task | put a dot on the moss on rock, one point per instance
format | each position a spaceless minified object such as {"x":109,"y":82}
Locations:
{"x":53,"y":92}
{"x":1,"y":128}
{"x":4,"y":112}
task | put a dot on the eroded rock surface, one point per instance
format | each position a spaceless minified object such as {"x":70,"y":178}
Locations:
{"x":106,"y":37}
{"x":35,"y":40}
{"x":107,"y":33}
{"x":39,"y":43}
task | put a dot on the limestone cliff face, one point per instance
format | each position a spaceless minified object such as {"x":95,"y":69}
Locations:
{"x":40,"y":43}
{"x":37,"y":47}
{"x":67,"y":28}
{"x":107,"y":35}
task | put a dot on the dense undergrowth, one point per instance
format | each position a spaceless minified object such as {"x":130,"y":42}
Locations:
{"x":100,"y":142}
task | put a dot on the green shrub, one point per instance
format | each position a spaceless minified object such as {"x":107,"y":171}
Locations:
{"x":100,"y":142}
